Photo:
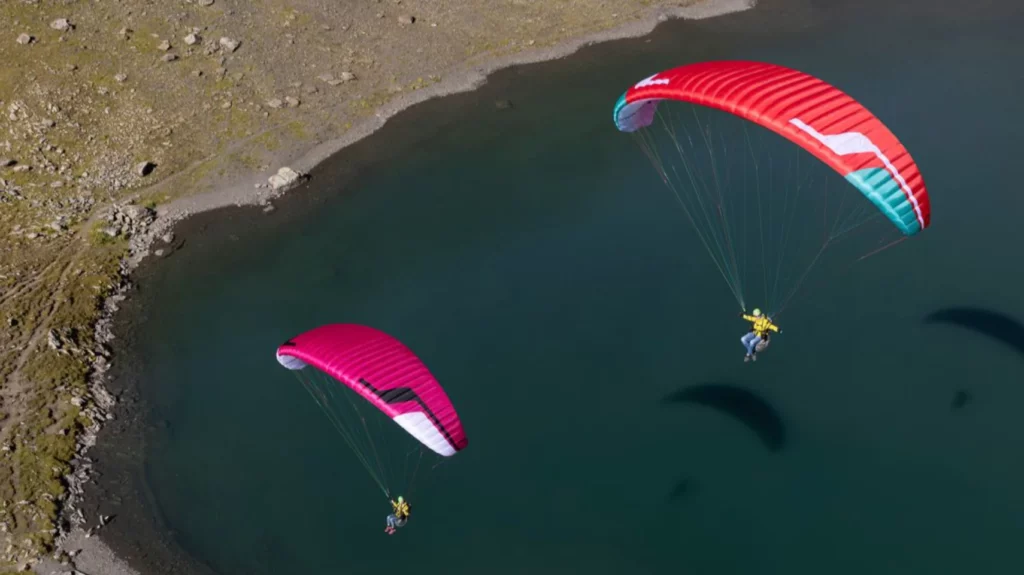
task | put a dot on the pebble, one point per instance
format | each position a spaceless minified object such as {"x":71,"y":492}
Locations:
{"x":329,"y":79}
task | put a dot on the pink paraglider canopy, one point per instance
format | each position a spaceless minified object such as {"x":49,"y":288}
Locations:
{"x":385,"y":372}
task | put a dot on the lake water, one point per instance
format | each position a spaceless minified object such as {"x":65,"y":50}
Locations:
{"x":532,"y":258}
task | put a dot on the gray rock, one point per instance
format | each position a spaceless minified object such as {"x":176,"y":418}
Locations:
{"x":6,"y":162}
{"x":121,"y":77}
{"x":158,"y":253}
{"x":205,"y":2}
{"x":268,"y":209}
{"x":24,"y":39}
{"x":165,"y":46}
{"x":229,"y":44}
{"x":137,"y":215}
{"x":144,"y":168}
{"x":274,"y":103}
{"x":284,"y":178}
{"x":347,"y":76}
{"x":53,"y":340}
{"x":406,"y":20}
{"x":292,"y":102}
{"x":61,"y":24}
{"x":167,"y":238}
{"x":169,"y":57}
{"x":192,"y":39}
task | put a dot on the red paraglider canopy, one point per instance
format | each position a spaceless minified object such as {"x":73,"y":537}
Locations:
{"x":817,"y":116}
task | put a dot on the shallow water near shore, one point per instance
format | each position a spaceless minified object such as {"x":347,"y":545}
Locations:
{"x":534,"y":261}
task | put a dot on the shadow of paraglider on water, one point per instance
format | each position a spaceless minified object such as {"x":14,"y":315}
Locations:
{"x":741,"y":404}
{"x":992,"y":324}
{"x":738,"y":403}
{"x":996,"y":325}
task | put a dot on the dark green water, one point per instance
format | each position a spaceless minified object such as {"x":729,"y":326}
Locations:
{"x":534,"y":261}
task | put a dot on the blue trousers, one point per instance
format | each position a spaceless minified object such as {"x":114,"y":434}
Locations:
{"x":749,"y":341}
{"x":394,"y":521}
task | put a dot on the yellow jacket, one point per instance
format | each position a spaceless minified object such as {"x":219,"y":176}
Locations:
{"x":761,"y":324}
{"x":401,"y":509}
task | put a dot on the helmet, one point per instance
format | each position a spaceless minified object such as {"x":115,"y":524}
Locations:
{"x":757,"y":312}
{"x":400,"y":500}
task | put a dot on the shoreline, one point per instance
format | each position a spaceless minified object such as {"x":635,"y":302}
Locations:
{"x":76,"y":542}
{"x":465,"y":79}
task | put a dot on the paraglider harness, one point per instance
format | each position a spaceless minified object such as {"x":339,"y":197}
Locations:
{"x":763,"y":344}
